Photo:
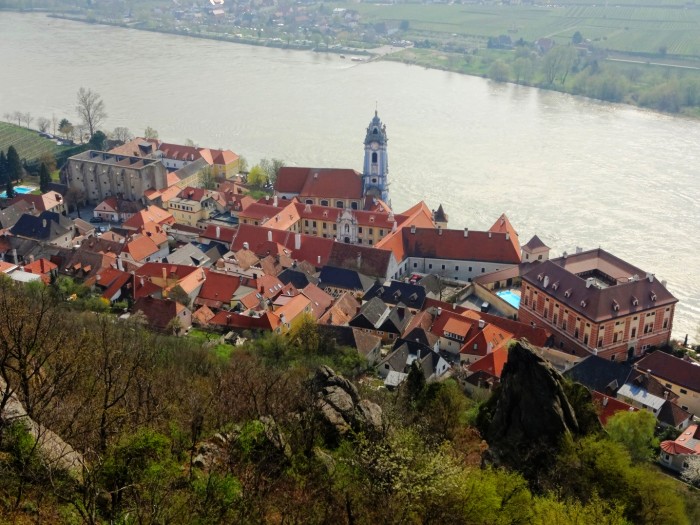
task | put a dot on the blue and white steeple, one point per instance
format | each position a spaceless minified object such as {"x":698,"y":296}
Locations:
{"x":375,"y":173}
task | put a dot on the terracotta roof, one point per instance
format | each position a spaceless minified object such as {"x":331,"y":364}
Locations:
{"x":6,"y":266}
{"x":138,"y":147}
{"x":111,"y":280}
{"x":159,"y":312}
{"x":233,"y":320}
{"x":44,"y":202}
{"x":140,"y":248}
{"x":671,"y":414}
{"x":179,"y":152}
{"x":671,"y":368}
{"x":621,"y":295}
{"x":673,"y":448}
{"x":420,"y":216}
{"x":203,"y":315}
{"x":293,"y":308}
{"x":225,"y":235}
{"x":373,"y":262}
{"x":687,"y":443}
{"x":320,"y":300}
{"x":342,"y":311}
{"x":485,"y":340}
{"x":491,"y":363}
{"x":152,"y":214}
{"x":218,"y":289}
{"x":503,"y":225}
{"x":40,"y":266}
{"x":609,"y":406}
{"x":330,"y":183}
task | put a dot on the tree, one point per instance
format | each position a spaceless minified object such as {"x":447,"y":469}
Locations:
{"x":43,"y":124}
{"x":499,"y":71}
{"x":523,"y":69}
{"x":207,"y":179}
{"x":91,"y":108}
{"x":257,"y":177}
{"x":98,"y":140}
{"x":242,"y":164}
{"x":27,"y":118}
{"x":150,"y":133}
{"x":557,"y":63}
{"x":9,"y":189}
{"x":577,"y":38}
{"x":44,"y":178}
{"x":635,"y":432}
{"x":14,"y":164}
{"x":121,"y":134}
{"x":691,"y":474}
{"x":48,"y":159}
{"x":17,"y":115}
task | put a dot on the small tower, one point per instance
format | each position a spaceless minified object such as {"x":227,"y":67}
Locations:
{"x":440,"y":218}
{"x":375,"y":173}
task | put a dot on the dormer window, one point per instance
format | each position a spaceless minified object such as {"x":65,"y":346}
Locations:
{"x":635,"y":301}
{"x":583,"y":303}
{"x":616,"y":306}
{"x":652,"y":296}
{"x":567,"y":293}
{"x":540,"y":277}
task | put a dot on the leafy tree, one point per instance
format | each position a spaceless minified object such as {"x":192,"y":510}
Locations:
{"x":98,"y":140}
{"x":257,"y":177}
{"x":242,"y":164}
{"x":48,"y":159}
{"x":14,"y":164}
{"x":150,"y":133}
{"x":415,"y":383}
{"x":557,"y":63}
{"x":65,"y":128}
{"x":634,"y":431}
{"x":499,"y":71}
{"x":577,"y":38}
{"x":91,"y":108}
{"x":207,"y":179}
{"x":44,"y":178}
{"x":271,"y":168}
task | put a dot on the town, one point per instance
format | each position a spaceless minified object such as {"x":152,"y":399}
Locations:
{"x":181,"y":235}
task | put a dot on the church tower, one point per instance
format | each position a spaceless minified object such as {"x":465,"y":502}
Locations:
{"x":375,"y":172}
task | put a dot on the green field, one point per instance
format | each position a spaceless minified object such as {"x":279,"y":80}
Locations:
{"x":27,"y":142}
{"x":624,"y":26}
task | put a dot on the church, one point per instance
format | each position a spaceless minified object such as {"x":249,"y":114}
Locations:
{"x":344,"y":188}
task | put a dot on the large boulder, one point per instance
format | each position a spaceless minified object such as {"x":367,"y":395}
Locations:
{"x":340,"y":408}
{"x":530,"y":414}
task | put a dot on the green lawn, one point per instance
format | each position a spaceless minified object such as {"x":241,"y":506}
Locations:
{"x":27,"y":142}
{"x":206,"y":339}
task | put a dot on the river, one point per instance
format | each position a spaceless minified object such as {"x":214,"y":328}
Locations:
{"x":577,"y":172}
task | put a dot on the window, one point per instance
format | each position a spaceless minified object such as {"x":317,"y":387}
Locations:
{"x":324,"y":225}
{"x":430,"y":266}
{"x":335,"y":227}
{"x":456,"y":268}
{"x":470,"y":269}
{"x":371,"y":231}
{"x":314,"y":224}
{"x":633,"y":333}
{"x":306,"y":223}
{"x":359,"y":229}
{"x":381,"y":232}
{"x":443,"y":266}
{"x":324,"y":203}
{"x":339,"y":204}
{"x":369,"y":242}
{"x":483,"y":270}
{"x":415,"y":265}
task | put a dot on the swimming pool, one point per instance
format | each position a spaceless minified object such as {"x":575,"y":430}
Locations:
{"x":19,"y":190}
{"x":510,"y":297}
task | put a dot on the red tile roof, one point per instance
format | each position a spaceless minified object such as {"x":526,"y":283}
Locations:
{"x":328,"y":183}
{"x":159,"y":312}
{"x":609,"y":406}
{"x":152,"y":214}
{"x":225,"y":235}
{"x":265,"y":321}
{"x":491,"y":363}
{"x":218,"y":289}
{"x":671,"y":368}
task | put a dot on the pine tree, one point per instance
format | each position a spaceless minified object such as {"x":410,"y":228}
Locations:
{"x":9,"y":190}
{"x":44,"y":178}
{"x":14,"y":165}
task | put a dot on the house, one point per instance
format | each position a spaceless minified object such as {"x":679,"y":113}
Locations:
{"x":218,"y":290}
{"x":190,"y":255}
{"x":113,"y":283}
{"x":674,"y":454}
{"x":253,"y":321}
{"x":336,"y":281}
{"x":193,"y":206}
{"x":320,"y":300}
{"x":394,"y":292}
{"x":367,"y":345}
{"x":342,"y":311}
{"x":452,"y":330}
{"x":48,"y":227}
{"x":396,"y":366}
{"x":160,"y":280}
{"x":153,"y":215}
{"x":44,"y":268}
{"x":378,"y":318}
{"x":645,"y":392}
{"x":534,"y":251}
{"x":141,"y":249}
{"x":372,"y":262}
{"x":164,"y":315}
{"x":601,"y":375}
{"x":10,"y":215}
{"x":460,"y":255}
{"x":485,"y":372}
{"x":595,"y":303}
{"x":49,"y":201}
{"x":338,"y":188}
{"x":679,"y":376}
{"x":113,"y":209}
{"x":608,"y":406}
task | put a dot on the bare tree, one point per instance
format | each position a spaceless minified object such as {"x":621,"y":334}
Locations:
{"x":150,"y":133}
{"x":91,"y":108}
{"x":54,"y":123}
{"x":43,"y":124}
{"x":27,"y":118}
{"x":17,"y":115}
{"x":121,"y":134}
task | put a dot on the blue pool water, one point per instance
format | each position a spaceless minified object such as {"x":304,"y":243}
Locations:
{"x":19,"y":190}
{"x":509,"y":297}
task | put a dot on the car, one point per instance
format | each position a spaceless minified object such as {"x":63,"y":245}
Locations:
{"x":96,"y":219}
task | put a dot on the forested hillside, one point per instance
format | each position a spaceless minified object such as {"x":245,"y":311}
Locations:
{"x":162,"y":430}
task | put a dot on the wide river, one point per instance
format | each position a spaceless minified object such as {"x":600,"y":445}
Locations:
{"x":574,"y":171}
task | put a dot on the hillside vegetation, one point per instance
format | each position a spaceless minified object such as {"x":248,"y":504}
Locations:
{"x":167,"y":431}
{"x":28,"y":143}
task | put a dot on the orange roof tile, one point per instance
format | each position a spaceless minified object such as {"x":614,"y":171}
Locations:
{"x":491,"y":363}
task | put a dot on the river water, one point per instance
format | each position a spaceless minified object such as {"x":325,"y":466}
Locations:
{"x":574,"y":171}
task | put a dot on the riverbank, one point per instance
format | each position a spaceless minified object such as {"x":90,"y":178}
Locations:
{"x":664,"y":86}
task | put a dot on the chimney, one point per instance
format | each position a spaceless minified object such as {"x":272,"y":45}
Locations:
{"x":269,"y":234}
{"x":605,"y":401}
{"x":466,"y":232}
{"x":413,"y":228}
{"x":120,"y":265}
{"x":589,"y":282}
{"x":43,"y":223}
{"x":663,"y":283}
{"x":439,"y":230}
{"x":489,"y":235}
{"x":393,"y":227}
{"x":319,"y":260}
{"x":274,"y":201}
{"x":646,"y":374}
{"x":31,"y":259}
{"x":246,"y":246}
{"x":482,"y":323}
{"x":439,"y":311}
{"x":507,"y":236}
{"x":218,"y":232}
{"x":359,"y":259}
{"x":297,"y":241}
{"x":165,"y":273}
{"x":650,"y":276}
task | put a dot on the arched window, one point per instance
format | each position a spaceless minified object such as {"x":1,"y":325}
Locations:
{"x":374,"y":157}
{"x":347,"y":228}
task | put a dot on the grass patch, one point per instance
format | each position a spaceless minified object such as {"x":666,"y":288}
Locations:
{"x":210,"y":341}
{"x":27,"y":142}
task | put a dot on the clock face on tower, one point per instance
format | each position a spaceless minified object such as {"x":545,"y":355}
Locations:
{"x":374,"y":146}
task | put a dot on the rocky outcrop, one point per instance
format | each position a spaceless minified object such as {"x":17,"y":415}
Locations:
{"x":340,"y":407}
{"x":55,"y":452}
{"x":530,"y":414}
